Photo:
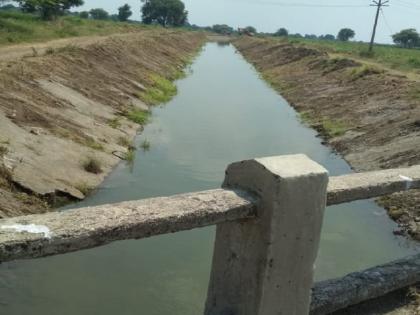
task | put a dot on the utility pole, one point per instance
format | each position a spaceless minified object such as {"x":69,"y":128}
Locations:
{"x":378,"y":4}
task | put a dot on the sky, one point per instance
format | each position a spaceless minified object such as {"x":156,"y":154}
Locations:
{"x":298,"y":16}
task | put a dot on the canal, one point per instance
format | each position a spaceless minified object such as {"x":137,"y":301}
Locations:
{"x":223,"y":113}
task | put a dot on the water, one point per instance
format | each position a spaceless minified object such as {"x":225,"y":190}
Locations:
{"x":223,"y":113}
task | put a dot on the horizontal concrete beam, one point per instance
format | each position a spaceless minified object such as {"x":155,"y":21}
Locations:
{"x":333,"y":295}
{"x":360,"y":186}
{"x":62,"y":232}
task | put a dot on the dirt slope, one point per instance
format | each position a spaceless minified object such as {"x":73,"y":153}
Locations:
{"x":369,"y":115}
{"x":64,"y":105}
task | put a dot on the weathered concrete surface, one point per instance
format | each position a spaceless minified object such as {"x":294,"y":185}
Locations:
{"x":333,"y":295}
{"x":265,"y":266}
{"x":341,"y":189}
{"x":61,"y":232}
{"x":358,"y":186}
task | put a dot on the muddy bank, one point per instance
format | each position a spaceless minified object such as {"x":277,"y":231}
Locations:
{"x":368,"y":114}
{"x":68,"y":114}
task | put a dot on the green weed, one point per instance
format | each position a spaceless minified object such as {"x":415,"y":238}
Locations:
{"x":138,"y":116}
{"x":114,"y":123}
{"x":161,"y":91}
{"x":327,"y":127}
{"x":306,"y":117}
{"x":145,"y":145}
{"x":130,"y":155}
{"x":333,"y":128}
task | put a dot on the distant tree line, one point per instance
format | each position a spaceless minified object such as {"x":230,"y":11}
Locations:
{"x":163,"y":12}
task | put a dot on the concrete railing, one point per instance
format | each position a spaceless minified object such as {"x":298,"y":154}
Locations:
{"x":269,"y":217}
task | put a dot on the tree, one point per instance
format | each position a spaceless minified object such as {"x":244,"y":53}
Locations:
{"x":282,"y":32}
{"x":124,"y":13}
{"x":84,"y":14}
{"x":49,"y":9}
{"x":164,"y":12}
{"x":250,"y":30}
{"x":99,"y":14}
{"x":408,"y":38}
{"x":222,"y":29}
{"x":327,"y":37}
{"x":345,"y":34}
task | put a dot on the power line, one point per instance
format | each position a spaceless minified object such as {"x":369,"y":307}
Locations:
{"x":307,"y":5}
{"x":386,"y":22}
{"x":409,"y":4}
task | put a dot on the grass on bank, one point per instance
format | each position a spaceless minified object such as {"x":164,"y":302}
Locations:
{"x":326,"y":126}
{"x":17,"y":27}
{"x":161,"y":91}
{"x":141,"y":117}
{"x":392,"y":56}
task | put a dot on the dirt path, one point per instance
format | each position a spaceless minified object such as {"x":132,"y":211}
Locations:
{"x":13,"y":52}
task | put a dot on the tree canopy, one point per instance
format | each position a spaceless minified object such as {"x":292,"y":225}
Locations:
{"x":407,"y":38}
{"x":164,"y":12}
{"x":345,"y":34}
{"x":222,"y":29}
{"x":250,"y":29}
{"x":327,"y":37}
{"x":124,"y":13}
{"x":49,"y":9}
{"x":99,"y":14}
{"x":282,"y":32}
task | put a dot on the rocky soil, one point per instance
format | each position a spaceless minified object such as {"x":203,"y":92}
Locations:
{"x":370,"y":115}
{"x":67,"y":104}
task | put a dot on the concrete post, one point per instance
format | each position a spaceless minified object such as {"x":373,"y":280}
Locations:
{"x":265,"y":266}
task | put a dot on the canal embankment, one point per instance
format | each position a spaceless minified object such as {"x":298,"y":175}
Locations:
{"x":69,"y":111}
{"x":369,"y":114}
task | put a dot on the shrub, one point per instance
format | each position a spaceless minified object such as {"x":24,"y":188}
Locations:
{"x":92,"y":165}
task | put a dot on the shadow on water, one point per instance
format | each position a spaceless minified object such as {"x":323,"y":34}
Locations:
{"x":223,"y":113}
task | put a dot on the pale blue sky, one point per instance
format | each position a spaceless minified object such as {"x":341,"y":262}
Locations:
{"x":302,"y":16}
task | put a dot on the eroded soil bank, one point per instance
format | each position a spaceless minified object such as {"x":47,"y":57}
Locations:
{"x":368,"y":114}
{"x":66,"y":111}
